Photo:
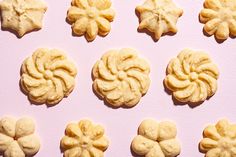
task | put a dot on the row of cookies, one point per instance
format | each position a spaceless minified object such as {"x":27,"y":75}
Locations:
{"x":93,"y":17}
{"x":86,"y":139}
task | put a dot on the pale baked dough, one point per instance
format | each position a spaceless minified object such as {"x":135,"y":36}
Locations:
{"x":219,"y":140}
{"x":84,"y":139}
{"x":159,"y":16}
{"x":156,"y":139}
{"x":219,"y":17}
{"x":91,"y":17}
{"x":192,"y":76}
{"x":121,"y":77}
{"x":48,"y":76}
{"x":22,"y":16}
{"x":17,"y":137}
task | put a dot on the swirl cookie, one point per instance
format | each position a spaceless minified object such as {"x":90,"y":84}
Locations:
{"x":90,"y":17}
{"x":219,"y":18}
{"x":121,"y":77}
{"x":17,"y":137}
{"x":22,"y":16}
{"x":84,"y":139}
{"x":219,"y":140}
{"x":159,"y":17}
{"x":192,"y":76}
{"x":156,"y":139}
{"x":48,"y":76}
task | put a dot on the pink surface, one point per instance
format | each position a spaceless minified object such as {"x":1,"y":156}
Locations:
{"x":120,"y":124}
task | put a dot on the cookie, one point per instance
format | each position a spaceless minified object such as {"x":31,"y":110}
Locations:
{"x":121,"y":77}
{"x":48,"y":76}
{"x":90,"y":17}
{"x":219,"y":139}
{"x":156,"y":139}
{"x":159,"y":17}
{"x":22,"y":16}
{"x":84,"y":139}
{"x":192,"y":76}
{"x":219,"y":18}
{"x":17,"y":137}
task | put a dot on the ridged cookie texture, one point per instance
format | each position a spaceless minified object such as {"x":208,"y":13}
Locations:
{"x":84,"y":139}
{"x":121,"y":77}
{"x":192,"y":76}
{"x":159,"y":16}
{"x":219,"y":140}
{"x":91,"y":17}
{"x":48,"y":76}
{"x":219,"y":17}
{"x":22,"y":16}
{"x":156,"y":139}
{"x":17,"y":137}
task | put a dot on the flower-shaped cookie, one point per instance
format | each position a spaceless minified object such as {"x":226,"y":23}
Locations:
{"x":219,"y":17}
{"x":159,"y":16}
{"x":47,"y":76}
{"x":192,"y":76}
{"x":17,"y":138}
{"x":121,"y":77}
{"x":156,"y":139}
{"x":22,"y":16}
{"x":219,"y":140}
{"x":91,"y":17}
{"x":84,"y":140}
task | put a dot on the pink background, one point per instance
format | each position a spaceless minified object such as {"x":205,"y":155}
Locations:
{"x":120,"y":124}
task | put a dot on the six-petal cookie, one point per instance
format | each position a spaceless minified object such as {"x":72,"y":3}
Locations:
{"x":22,"y":16}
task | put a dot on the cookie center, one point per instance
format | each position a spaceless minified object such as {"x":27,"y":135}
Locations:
{"x":48,"y":74}
{"x":193,"y":76}
{"x":85,"y":142}
{"x":19,"y":9}
{"x":225,"y":14}
{"x":225,"y":143}
{"x":159,"y":11}
{"x":92,"y":12}
{"x":121,"y":75}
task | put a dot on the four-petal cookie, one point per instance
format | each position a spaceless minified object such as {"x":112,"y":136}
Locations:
{"x":219,"y":17}
{"x":192,"y":76}
{"x":159,"y":16}
{"x":91,"y":17}
{"x":17,"y":138}
{"x":84,"y":139}
{"x":22,"y":16}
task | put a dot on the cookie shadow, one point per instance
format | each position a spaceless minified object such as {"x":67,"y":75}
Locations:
{"x":15,"y":32}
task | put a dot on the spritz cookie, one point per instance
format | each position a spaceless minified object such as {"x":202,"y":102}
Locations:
{"x":84,"y":139}
{"x":48,"y":76}
{"x":17,"y":137}
{"x":159,"y":17}
{"x":219,"y":18}
{"x":219,"y":140}
{"x":22,"y":16}
{"x":91,"y":17}
{"x":156,"y":139}
{"x":121,"y":77}
{"x":192,"y":76}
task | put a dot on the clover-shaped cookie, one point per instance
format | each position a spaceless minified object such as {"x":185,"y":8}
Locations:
{"x":17,"y":137}
{"x":121,"y":77}
{"x":84,"y":139}
{"x":22,"y":16}
{"x":219,"y":140}
{"x":48,"y":76}
{"x":156,"y":139}
{"x":159,"y":16}
{"x":91,"y":17}
{"x":219,"y":17}
{"x":192,"y":76}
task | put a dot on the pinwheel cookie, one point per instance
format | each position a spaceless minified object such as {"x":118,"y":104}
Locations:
{"x":91,"y":17}
{"x":22,"y":16}
{"x":219,"y":140}
{"x":17,"y":137}
{"x":219,"y":17}
{"x":121,"y":77}
{"x":84,"y":139}
{"x":156,"y":139}
{"x":192,"y":76}
{"x":47,"y":76}
{"x":159,"y":16}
